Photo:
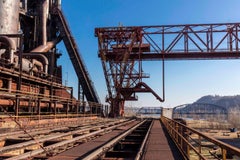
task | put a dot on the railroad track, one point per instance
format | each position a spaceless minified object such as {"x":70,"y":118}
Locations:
{"x":43,"y":123}
{"x":51,"y":141}
{"x":48,"y":128}
{"x":103,"y":139}
{"x":125,"y":142}
{"x":128,"y":145}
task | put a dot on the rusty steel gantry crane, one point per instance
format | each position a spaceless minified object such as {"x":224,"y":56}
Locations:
{"x":122,"y":50}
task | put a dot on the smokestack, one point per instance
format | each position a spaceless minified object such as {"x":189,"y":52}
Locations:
{"x":9,"y":16}
{"x":9,"y":23}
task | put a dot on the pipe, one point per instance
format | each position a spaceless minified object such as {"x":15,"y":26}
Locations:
{"x":45,"y":11}
{"x":10,"y":43}
{"x":37,"y":63}
{"x":8,"y":102}
{"x":59,"y":4}
{"x":1,"y":83}
{"x":140,"y":84}
{"x":43,"y":58}
{"x":10,"y":85}
{"x":46,"y":47}
{"x":11,"y":46}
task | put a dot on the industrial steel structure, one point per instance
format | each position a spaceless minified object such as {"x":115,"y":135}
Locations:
{"x":123,"y":49}
{"x":31,"y":83}
{"x":30,"y":77}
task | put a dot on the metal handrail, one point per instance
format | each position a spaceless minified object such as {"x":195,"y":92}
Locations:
{"x":180,"y":134}
{"x":47,"y":97}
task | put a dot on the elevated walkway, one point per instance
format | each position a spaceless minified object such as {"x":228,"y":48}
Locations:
{"x":160,"y":145}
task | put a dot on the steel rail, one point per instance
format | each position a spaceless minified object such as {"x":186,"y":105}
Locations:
{"x":66,"y":142}
{"x":50,"y":137}
{"x":111,"y":143}
{"x":140,"y":152}
{"x":48,"y":129}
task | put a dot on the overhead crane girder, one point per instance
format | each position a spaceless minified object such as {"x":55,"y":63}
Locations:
{"x":122,"y":50}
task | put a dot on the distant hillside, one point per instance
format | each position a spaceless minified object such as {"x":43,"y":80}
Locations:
{"x":228,"y":102}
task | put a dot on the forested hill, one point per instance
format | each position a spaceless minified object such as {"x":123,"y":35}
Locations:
{"x":228,"y":102}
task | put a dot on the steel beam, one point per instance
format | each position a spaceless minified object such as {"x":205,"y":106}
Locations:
{"x":122,"y":50}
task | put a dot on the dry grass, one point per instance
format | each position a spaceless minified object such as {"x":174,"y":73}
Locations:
{"x":203,"y":124}
{"x":216,"y":130}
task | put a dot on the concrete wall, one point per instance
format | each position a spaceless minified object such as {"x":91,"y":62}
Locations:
{"x":167,"y":112}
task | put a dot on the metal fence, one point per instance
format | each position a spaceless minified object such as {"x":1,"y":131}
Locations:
{"x":196,"y":145}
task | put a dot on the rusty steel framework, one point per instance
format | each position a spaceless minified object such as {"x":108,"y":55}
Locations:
{"x":30,"y":76}
{"x":122,"y":50}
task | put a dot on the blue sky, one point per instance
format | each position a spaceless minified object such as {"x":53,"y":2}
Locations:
{"x":186,"y":81}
